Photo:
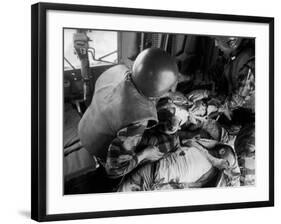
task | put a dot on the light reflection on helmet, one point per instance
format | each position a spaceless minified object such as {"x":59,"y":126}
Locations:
{"x":154,"y":72}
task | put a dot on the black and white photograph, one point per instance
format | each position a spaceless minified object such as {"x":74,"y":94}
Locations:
{"x":137,"y":111}
{"x":152,"y":111}
{"x":143,"y":111}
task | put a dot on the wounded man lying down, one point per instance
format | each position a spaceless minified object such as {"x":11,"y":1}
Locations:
{"x":188,"y":167}
{"x":191,"y":163}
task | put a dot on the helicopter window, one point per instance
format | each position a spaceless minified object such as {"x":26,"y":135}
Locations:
{"x":102,"y":48}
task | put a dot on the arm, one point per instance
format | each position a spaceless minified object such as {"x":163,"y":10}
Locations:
{"x":122,"y":157}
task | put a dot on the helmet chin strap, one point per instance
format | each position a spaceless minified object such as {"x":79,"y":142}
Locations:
{"x":129,"y":75}
{"x":155,"y":98}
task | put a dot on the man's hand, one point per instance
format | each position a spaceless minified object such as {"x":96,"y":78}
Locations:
{"x":150,"y":153}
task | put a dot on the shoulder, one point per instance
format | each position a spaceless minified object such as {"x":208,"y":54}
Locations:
{"x":246,"y":57}
{"x":120,"y":68}
{"x":112,"y":76}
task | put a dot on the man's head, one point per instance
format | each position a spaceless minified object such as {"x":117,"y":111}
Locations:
{"x":226,"y":152}
{"x":170,"y":116}
{"x":227,"y":44}
{"x":155,"y":72}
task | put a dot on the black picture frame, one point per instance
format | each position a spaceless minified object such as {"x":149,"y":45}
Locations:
{"x":39,"y":122}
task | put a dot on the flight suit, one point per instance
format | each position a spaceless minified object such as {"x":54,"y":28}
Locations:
{"x":114,"y":122}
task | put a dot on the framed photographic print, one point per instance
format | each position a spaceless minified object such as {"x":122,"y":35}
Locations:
{"x":139,"y":111}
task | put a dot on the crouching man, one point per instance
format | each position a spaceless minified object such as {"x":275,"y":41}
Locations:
{"x":122,"y":108}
